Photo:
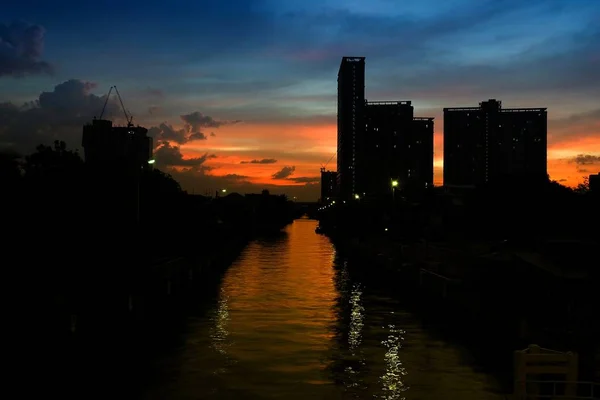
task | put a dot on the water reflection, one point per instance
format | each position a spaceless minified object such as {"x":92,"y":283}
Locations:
{"x":292,"y":322}
{"x":356,"y":318}
{"x":393,"y":386}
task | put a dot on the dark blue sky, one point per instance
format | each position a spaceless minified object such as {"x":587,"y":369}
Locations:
{"x":274,"y":63}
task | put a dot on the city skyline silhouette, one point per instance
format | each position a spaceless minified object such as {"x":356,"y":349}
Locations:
{"x":259,"y":112}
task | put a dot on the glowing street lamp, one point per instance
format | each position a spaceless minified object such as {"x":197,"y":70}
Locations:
{"x":224,"y":190}
{"x":394,"y":183}
{"x":152,"y":161}
{"x":357,"y":197}
{"x":394,"y":186}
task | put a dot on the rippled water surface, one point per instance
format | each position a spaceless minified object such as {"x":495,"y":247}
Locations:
{"x":292,"y":323}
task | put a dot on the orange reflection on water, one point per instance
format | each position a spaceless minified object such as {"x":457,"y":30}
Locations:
{"x":280,"y":310}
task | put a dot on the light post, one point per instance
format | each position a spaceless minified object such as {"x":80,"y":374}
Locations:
{"x":394,"y":185}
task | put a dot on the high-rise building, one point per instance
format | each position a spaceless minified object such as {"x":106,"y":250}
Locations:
{"x":420,"y":171}
{"x":398,"y":147}
{"x":488,"y":144}
{"x":116,"y":146}
{"x":594,"y":183}
{"x":351,"y":127}
{"x":328,"y":185}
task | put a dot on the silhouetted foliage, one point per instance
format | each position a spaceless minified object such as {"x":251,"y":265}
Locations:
{"x":52,"y":162}
{"x":584,"y":187}
{"x":10,"y":168}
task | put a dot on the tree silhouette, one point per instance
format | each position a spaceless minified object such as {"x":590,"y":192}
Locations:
{"x":583,"y":187}
{"x":10,"y":168}
{"x":53,"y":162}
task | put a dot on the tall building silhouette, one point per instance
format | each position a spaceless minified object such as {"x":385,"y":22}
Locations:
{"x":420,"y":171}
{"x":351,"y":128}
{"x":328,"y":185}
{"x":398,"y":147}
{"x":594,"y":183}
{"x":123,"y":147}
{"x":490,"y":144}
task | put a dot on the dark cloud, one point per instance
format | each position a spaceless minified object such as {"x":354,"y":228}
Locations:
{"x":284,"y":173}
{"x":153,"y":110}
{"x":170,"y":156}
{"x":589,"y":117}
{"x":56,"y":115}
{"x":213,"y":134}
{"x":562,"y":180}
{"x":192,"y":130}
{"x":585,"y":159}
{"x":21,"y":48}
{"x":305,"y":179}
{"x":165,"y":132}
{"x":235,"y":177}
{"x":261,"y":161}
{"x":197,"y":120}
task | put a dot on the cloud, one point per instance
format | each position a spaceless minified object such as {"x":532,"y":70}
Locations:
{"x":261,"y":161}
{"x":586,"y":117}
{"x":562,"y":180}
{"x":166,"y":133}
{"x":197,"y":120}
{"x":170,"y":156}
{"x":585,"y":159}
{"x":56,"y":115}
{"x":235,"y":177}
{"x":153,"y":109}
{"x":21,"y":48}
{"x":284,"y":172}
{"x":306,"y":179}
{"x":193,"y":123}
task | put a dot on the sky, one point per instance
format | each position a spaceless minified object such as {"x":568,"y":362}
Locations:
{"x":241,"y":94}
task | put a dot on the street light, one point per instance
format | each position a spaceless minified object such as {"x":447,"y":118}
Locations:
{"x":224,"y":190}
{"x":152,"y":161}
{"x":357,"y":197}
{"x":394,"y":185}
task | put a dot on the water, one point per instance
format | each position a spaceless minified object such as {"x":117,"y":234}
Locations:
{"x":291,"y":322}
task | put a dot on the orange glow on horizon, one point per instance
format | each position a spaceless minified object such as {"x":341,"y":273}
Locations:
{"x":308,"y":146}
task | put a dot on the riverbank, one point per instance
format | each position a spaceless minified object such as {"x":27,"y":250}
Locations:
{"x":497,"y":301}
{"x":78,"y":316}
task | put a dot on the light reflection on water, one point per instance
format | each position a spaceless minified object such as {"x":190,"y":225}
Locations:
{"x":392,"y":384}
{"x":291,"y":323}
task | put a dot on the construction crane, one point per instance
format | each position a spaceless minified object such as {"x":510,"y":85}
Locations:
{"x":323,"y":167}
{"x":128,"y":118}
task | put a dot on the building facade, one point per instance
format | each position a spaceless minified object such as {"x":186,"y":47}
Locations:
{"x":490,"y":144}
{"x":594,"y":183}
{"x":398,"y":147}
{"x":124,"y":147}
{"x":328,"y":185}
{"x":350,"y":121}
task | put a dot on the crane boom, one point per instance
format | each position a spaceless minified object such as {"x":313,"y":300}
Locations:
{"x":324,"y":167}
{"x":127,"y":117}
{"x":106,"y":101}
{"x":328,"y":161}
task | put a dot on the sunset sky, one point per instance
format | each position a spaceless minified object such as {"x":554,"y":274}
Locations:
{"x":242,"y":94}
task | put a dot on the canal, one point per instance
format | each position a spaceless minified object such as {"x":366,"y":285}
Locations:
{"x":291,"y":321}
